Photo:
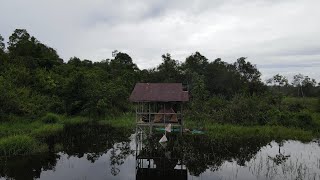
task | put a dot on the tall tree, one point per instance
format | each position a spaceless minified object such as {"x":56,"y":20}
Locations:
{"x":248,"y":71}
{"x":168,"y":70}
{"x":2,"y":45}
{"x":222,"y":79}
{"x":3,"y":57}
{"x":279,"y":81}
{"x":250,"y":75}
{"x":297,"y":82}
{"x":308,"y":85}
{"x":199,"y":96}
{"x":21,"y":44}
{"x":195,"y":63}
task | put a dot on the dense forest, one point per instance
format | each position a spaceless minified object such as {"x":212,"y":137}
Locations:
{"x":34,"y":81}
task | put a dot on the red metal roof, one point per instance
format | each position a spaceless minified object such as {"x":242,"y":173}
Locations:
{"x":164,"y":92}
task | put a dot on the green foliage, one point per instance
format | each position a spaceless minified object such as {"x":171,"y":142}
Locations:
{"x":17,"y":145}
{"x":48,"y":130}
{"x":2,"y":45}
{"x":307,"y":103}
{"x":286,"y":119}
{"x":305,"y":120}
{"x":74,"y":121}
{"x":318,"y":105}
{"x":247,"y":110}
{"x":198,"y":110}
{"x":296,"y":107}
{"x":50,"y":118}
{"x":126,"y":120}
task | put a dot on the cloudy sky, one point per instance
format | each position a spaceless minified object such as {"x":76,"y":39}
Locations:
{"x":280,"y":36}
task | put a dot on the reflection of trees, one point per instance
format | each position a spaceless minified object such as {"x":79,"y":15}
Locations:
{"x":92,"y":140}
{"x":96,"y":140}
{"x":200,"y":152}
{"x":203,"y":152}
{"x":27,"y":167}
{"x":280,"y":157}
{"x":119,"y":153}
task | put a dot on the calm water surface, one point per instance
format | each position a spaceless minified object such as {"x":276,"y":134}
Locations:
{"x":99,"y":152}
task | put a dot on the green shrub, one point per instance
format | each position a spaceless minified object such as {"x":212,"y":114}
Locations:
{"x":74,"y":121}
{"x":17,"y":145}
{"x":50,"y":118}
{"x":295,"y":107}
{"x":286,"y":119}
{"x":304,"y":120}
{"x":247,"y":110}
{"x":47,"y":130}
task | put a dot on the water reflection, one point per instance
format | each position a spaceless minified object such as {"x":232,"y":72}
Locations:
{"x":28,"y":167}
{"x":156,"y":160}
{"x":102,"y":152}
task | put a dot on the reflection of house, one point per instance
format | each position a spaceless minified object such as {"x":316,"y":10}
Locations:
{"x":159,"y":161}
{"x":159,"y":103}
{"x":160,"y":168}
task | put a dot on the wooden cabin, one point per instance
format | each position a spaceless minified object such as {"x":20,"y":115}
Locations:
{"x":158,"y":104}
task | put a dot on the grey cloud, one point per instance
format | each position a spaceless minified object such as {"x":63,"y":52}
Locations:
{"x":277,"y":35}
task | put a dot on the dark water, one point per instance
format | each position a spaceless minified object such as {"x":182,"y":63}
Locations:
{"x":101,"y":152}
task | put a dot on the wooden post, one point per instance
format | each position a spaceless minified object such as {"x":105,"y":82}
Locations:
{"x":164,"y":116}
{"x":181,"y":114}
{"x":149,"y":113}
{"x":137,"y":113}
{"x":149,"y":117}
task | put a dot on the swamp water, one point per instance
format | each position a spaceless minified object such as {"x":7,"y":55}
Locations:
{"x":101,"y":152}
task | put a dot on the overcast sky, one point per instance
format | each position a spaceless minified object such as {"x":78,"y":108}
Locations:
{"x":280,"y":36}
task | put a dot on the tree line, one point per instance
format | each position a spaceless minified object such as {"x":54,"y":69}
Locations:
{"x":34,"y":80}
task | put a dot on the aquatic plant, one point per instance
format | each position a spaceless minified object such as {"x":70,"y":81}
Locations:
{"x":50,"y":118}
{"x":17,"y":145}
{"x":47,"y":130}
{"x":73,"y":121}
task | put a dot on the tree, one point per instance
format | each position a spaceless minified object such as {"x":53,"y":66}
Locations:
{"x":279,"y":81}
{"x":168,"y":70}
{"x":222,"y":79}
{"x":195,"y":63}
{"x":250,"y":75}
{"x":21,"y":44}
{"x":124,"y":70}
{"x":248,"y":72}
{"x":307,"y":81}
{"x":74,"y":61}
{"x":297,"y":82}
{"x":199,"y":96}
{"x":3,"y":55}
{"x":309,"y":86}
{"x":19,"y":36}
{"x":2,"y":45}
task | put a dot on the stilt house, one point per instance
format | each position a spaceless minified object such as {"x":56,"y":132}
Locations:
{"x":159,"y":103}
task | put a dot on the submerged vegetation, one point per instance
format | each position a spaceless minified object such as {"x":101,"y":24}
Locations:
{"x":41,"y":95}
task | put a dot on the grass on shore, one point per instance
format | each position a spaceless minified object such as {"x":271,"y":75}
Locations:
{"x":225,"y":131}
{"x":127,"y":121}
{"x":20,"y":145}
